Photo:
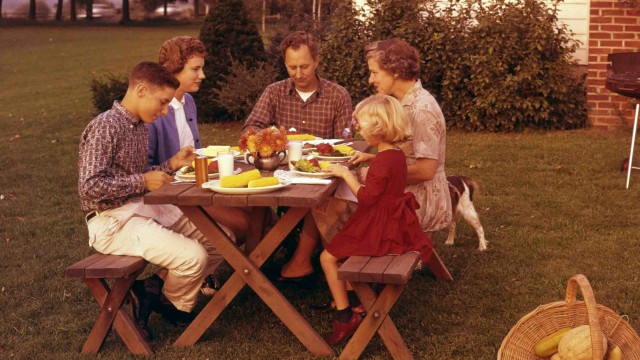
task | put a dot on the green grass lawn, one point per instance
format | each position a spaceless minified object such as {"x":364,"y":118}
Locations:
{"x":552,"y":205}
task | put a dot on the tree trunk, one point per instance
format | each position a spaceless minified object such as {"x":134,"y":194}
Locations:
{"x":58,"y":10}
{"x":89,"y":10}
{"x":32,"y":9}
{"x":319,"y":10}
{"x":166,"y":2}
{"x":72,"y":10}
{"x":313,"y":9}
{"x":0,"y":9}
{"x":196,"y":8}
{"x":264,"y":16}
{"x":125,"y":11}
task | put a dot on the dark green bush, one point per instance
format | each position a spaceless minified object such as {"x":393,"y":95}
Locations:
{"x":106,"y":89}
{"x":499,"y":67}
{"x":241,"y":88}
{"x":229,"y":35}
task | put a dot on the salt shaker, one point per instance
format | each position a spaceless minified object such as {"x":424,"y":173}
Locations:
{"x":202,"y":170}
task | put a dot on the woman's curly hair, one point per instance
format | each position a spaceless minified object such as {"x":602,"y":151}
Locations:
{"x":175,"y":52}
{"x":396,"y":57}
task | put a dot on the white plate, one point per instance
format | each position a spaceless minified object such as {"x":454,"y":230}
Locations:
{"x":322,"y":141}
{"x":302,"y":173}
{"x":192,"y":176}
{"x":215,"y":186}
{"x":201,"y":153}
{"x":331,"y":158}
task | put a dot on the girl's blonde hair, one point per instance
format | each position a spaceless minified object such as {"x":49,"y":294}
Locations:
{"x":383,"y":116}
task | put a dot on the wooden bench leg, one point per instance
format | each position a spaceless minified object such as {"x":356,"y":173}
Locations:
{"x":377,"y":319}
{"x":111,"y":300}
{"x":438,"y":268}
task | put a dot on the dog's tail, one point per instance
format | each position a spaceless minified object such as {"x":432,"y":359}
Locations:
{"x":458,"y":183}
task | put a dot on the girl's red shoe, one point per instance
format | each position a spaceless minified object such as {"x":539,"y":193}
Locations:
{"x":342,"y":331}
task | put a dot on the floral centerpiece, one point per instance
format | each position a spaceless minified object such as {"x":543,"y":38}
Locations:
{"x":264,"y":143}
{"x":266,"y":148}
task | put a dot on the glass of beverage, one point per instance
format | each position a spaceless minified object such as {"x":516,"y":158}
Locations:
{"x":225,"y":164}
{"x":294,"y":151}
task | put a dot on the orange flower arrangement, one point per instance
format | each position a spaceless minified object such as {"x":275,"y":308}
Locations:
{"x":265,"y":142}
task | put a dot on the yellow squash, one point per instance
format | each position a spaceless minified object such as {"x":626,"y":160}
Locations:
{"x":549,"y":344}
{"x":615,"y":353}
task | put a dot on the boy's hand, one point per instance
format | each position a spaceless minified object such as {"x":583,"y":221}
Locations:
{"x":184,"y":157}
{"x":155,"y":179}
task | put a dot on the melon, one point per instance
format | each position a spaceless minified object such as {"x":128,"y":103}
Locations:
{"x":576,"y":344}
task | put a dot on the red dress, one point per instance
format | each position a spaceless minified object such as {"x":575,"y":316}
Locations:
{"x":385,"y":221}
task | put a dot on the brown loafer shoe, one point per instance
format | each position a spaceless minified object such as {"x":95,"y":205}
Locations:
{"x":341,"y":332}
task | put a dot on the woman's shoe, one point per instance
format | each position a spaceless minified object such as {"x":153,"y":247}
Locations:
{"x":342,"y":331}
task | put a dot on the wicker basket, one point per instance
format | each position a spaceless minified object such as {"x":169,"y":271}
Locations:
{"x":549,"y":318}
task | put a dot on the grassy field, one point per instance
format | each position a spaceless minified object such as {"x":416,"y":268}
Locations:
{"x":552,"y":205}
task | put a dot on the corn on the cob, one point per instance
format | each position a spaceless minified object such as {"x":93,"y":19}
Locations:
{"x":240,"y":180}
{"x":300,"y":137}
{"x":265,"y":181}
{"x":345,"y":149}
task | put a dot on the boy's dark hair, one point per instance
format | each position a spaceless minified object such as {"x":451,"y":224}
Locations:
{"x":175,"y":52}
{"x":154,"y":74}
{"x":297,"y":39}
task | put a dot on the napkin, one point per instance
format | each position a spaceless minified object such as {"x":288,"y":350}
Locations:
{"x":288,"y":176}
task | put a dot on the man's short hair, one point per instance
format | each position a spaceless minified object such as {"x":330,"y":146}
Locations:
{"x":396,"y":57}
{"x":153,"y":74}
{"x":175,"y":52}
{"x":297,"y":39}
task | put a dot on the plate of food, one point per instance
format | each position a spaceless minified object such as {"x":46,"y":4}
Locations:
{"x":188,"y":173}
{"x":333,"y":153}
{"x":310,"y":167}
{"x":215,"y":186}
{"x":213,"y":150}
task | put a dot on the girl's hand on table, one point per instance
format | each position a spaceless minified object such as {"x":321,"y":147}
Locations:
{"x":359,"y":157}
{"x":337,"y":170}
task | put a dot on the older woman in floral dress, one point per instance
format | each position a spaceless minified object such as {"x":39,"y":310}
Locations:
{"x":394,"y":68}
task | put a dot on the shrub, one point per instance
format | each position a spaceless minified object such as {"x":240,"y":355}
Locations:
{"x":250,"y":83}
{"x":499,"y":67}
{"x":106,"y":89}
{"x":342,"y":52}
{"x":229,"y":36}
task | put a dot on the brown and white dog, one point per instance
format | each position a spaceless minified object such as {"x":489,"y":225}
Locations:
{"x":461,"y":189}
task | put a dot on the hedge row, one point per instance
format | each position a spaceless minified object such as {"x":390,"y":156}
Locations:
{"x":505,"y":66}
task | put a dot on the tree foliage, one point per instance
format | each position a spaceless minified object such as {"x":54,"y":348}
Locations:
{"x":229,"y":36}
{"x":499,"y":67}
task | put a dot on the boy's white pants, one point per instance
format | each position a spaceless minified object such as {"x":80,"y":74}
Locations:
{"x":180,"y":248}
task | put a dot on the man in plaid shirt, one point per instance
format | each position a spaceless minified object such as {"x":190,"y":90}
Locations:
{"x":306,"y":102}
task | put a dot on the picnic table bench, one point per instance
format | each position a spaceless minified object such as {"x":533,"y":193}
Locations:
{"x":123,"y":271}
{"x":394,"y":271}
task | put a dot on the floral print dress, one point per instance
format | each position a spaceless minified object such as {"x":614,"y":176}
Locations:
{"x":428,"y":141}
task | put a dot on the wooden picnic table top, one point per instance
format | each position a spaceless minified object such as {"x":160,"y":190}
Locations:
{"x":296,"y":195}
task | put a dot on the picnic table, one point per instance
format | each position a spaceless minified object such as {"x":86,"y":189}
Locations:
{"x":299,"y":199}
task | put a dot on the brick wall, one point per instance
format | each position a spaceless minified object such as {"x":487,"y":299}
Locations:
{"x":614,"y":27}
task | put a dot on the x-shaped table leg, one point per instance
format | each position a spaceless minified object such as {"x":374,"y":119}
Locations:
{"x":111,"y":300}
{"x":247,"y":271}
{"x":377,"y":319}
